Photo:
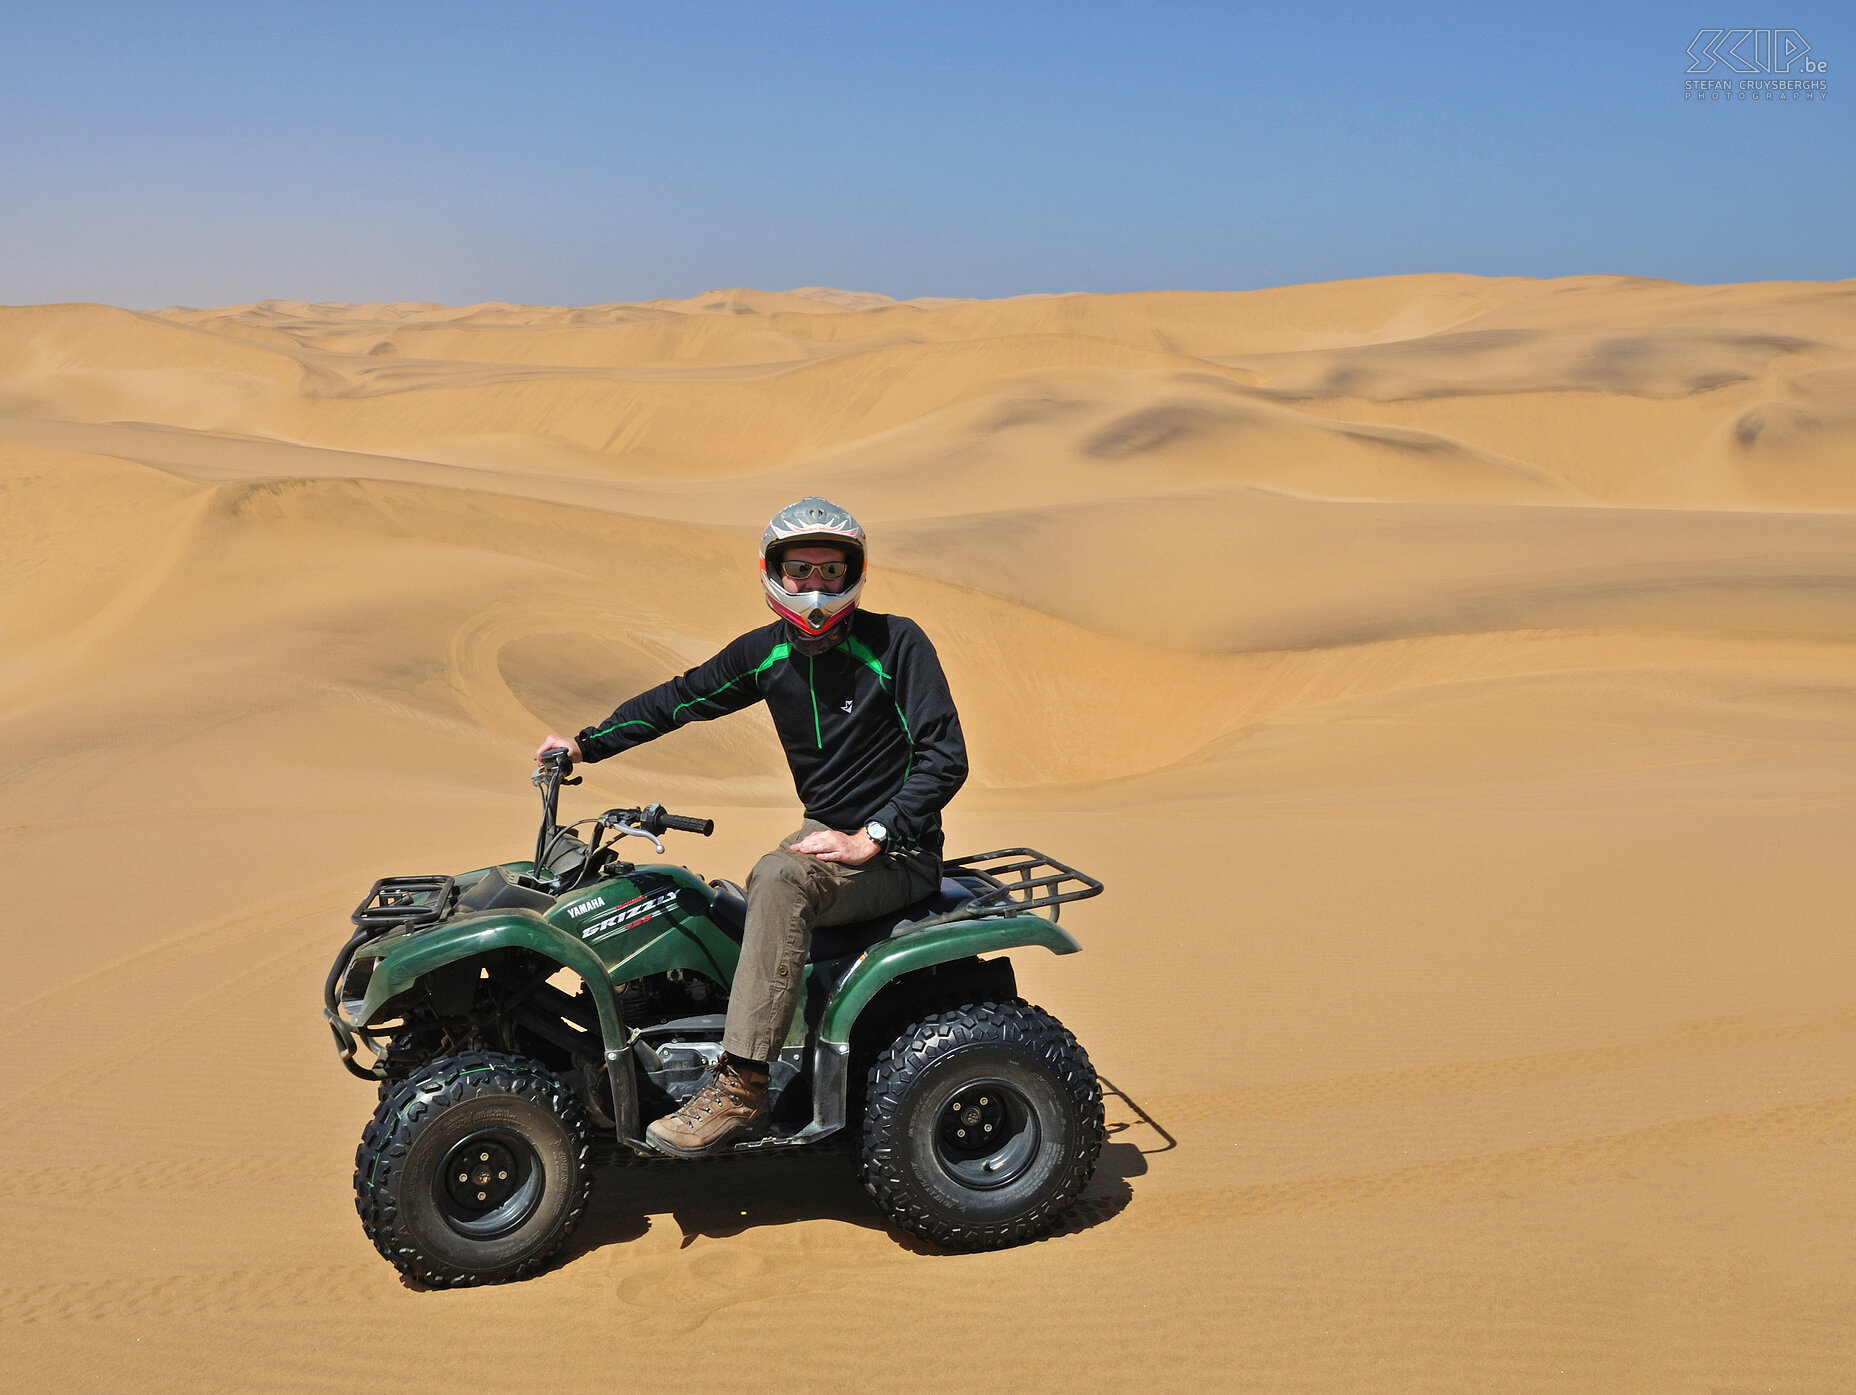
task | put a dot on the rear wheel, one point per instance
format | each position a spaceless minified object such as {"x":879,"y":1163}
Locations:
{"x":474,"y":1171}
{"x":981,"y":1124}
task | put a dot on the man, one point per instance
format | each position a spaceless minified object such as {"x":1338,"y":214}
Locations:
{"x":873,"y":740}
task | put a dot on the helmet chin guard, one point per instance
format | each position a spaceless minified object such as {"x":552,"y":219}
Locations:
{"x":812,"y":522}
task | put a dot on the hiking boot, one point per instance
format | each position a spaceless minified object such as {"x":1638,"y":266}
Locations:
{"x":730,"y":1108}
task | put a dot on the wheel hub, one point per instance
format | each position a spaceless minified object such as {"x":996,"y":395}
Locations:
{"x":489,"y":1183}
{"x":986,"y":1134}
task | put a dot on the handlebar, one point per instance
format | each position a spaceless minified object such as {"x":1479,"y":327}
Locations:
{"x":653,"y":818}
{"x":551,"y":772}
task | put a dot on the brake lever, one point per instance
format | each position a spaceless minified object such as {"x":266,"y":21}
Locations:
{"x":634,"y":831}
{"x":619,"y":822}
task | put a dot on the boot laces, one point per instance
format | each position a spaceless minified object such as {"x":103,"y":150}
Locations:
{"x":713,"y":1094}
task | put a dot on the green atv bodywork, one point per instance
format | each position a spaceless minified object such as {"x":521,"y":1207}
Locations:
{"x":516,"y":1012}
{"x":636,"y":923}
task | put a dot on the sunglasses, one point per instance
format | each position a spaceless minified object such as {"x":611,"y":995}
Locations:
{"x":831,"y":571}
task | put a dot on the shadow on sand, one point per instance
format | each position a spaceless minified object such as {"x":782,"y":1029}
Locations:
{"x":727,"y":1196}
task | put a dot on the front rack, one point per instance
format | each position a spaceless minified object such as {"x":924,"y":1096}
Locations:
{"x":392,"y":903}
{"x":404,"y":903}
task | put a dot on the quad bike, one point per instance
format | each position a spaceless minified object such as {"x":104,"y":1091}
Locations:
{"x":515,"y":1013}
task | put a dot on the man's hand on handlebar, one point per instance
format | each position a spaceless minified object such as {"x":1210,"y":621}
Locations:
{"x":552,"y":742}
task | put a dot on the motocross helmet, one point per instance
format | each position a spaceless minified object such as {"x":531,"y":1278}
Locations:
{"x":813,"y":522}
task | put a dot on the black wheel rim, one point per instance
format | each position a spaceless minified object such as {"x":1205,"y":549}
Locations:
{"x":985,"y":1134}
{"x":489,"y":1184}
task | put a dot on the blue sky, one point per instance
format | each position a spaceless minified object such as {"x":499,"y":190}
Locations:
{"x":571,"y":154}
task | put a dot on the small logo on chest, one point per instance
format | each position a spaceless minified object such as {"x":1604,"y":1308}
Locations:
{"x":846,"y":704}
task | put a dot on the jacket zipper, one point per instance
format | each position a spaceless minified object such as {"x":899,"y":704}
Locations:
{"x":818,"y":734}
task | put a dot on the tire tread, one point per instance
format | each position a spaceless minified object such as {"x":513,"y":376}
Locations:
{"x":389,"y":1136}
{"x":1014,"y":1023}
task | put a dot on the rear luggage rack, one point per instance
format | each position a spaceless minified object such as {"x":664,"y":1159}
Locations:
{"x":1015,"y":881}
{"x":1022,"y":879}
{"x":404,"y":903}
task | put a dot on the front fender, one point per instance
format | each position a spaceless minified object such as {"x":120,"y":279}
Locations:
{"x":409,"y":960}
{"x":879,"y":964}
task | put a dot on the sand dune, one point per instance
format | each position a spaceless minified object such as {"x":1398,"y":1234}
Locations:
{"x":1454,"y":679}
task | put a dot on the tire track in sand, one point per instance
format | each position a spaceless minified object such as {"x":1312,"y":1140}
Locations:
{"x":1465,"y":1077}
{"x":1481,"y":1175}
{"x":180,"y":1295}
{"x":724,"y":1278}
{"x":122,"y":977}
{"x":171,"y":1174}
{"x":179,"y":1019}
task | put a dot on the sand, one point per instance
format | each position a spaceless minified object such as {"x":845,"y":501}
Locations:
{"x":1453,"y":679}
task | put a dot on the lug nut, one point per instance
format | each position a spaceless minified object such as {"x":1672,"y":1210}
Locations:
{"x":960,"y":1133}
{"x":982,"y":1099}
{"x":482,"y":1195}
{"x":463,"y":1177}
{"x":504,"y":1176}
{"x":485,"y":1157}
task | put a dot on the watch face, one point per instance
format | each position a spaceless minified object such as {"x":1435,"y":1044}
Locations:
{"x":876,"y":831}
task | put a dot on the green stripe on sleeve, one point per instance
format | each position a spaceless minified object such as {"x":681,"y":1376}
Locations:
{"x":616,"y":725}
{"x":779,"y":651}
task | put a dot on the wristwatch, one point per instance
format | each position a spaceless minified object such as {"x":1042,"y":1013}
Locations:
{"x":876,"y":831}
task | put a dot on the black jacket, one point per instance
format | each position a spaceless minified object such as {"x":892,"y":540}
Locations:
{"x":869,"y":726}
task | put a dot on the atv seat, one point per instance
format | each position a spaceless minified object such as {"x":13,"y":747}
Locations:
{"x":729,"y":912}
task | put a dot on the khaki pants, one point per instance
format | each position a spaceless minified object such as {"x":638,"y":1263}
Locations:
{"x":788,"y":894}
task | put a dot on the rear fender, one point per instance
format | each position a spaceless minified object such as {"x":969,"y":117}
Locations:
{"x":922,"y":949}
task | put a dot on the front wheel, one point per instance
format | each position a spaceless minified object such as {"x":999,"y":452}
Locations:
{"x":981,"y":1125}
{"x":474,"y":1171}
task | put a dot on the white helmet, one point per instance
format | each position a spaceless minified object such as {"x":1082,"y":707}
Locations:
{"x":814,"y":520}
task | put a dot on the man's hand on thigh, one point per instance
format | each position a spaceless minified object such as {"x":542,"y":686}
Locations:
{"x":828,"y":845}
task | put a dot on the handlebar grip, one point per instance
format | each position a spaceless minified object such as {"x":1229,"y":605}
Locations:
{"x":687,"y":825}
